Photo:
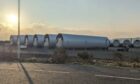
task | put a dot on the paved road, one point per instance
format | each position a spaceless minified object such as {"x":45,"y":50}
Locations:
{"x":36,"y":73}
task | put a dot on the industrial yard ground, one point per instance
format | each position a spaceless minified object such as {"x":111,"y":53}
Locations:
{"x":102,"y":54}
{"x":38,"y":73}
{"x":42,"y":55}
{"x":33,"y":67}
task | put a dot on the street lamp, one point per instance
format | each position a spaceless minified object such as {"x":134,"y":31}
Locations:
{"x":18,"y":44}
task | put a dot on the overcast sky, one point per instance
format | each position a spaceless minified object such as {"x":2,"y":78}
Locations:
{"x":111,"y":18}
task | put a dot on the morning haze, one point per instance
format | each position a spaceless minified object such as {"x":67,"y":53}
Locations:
{"x":111,"y":18}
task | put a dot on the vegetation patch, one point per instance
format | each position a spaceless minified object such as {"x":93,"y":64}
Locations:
{"x":59,"y":56}
{"x":86,"y":58}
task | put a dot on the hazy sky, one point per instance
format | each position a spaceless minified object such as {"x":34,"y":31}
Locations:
{"x":111,"y":18}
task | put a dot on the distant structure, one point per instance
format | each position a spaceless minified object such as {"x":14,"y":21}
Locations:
{"x":29,"y":39}
{"x":38,"y":40}
{"x":50,"y":40}
{"x":82,"y":41}
{"x":13,"y":39}
{"x":123,"y":42}
{"x":73,"y":41}
{"x":136,"y":42}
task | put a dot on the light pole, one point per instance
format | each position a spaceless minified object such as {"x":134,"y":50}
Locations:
{"x":18,"y":44}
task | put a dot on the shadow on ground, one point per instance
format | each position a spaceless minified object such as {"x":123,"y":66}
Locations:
{"x":27,"y":74}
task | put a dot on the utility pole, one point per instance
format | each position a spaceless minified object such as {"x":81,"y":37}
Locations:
{"x":18,"y":43}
